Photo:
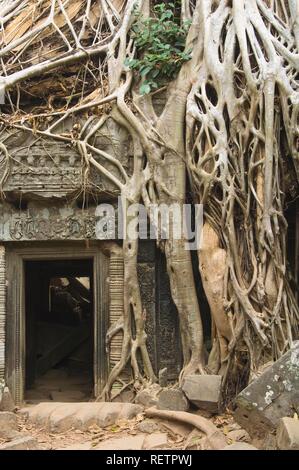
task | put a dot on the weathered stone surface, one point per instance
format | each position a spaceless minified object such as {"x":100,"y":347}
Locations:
{"x":21,"y":443}
{"x":163,"y":377}
{"x":155,"y":441}
{"x":240,"y":446}
{"x":129,"y":411}
{"x":147,"y":426}
{"x":269,"y":442}
{"x":288,"y":434}
{"x":122,"y":443}
{"x":60,"y":417}
{"x":239,"y":435}
{"x":126,"y":396}
{"x":173,"y":399}
{"x":271,"y":396}
{"x":47,"y":222}
{"x":175,"y":428}
{"x":78,"y":446}
{"x":8,"y":424}
{"x":67,"y":396}
{"x":39,"y":414}
{"x":149,"y":396}
{"x":7,"y":403}
{"x":233,"y":426}
{"x":204,"y":391}
{"x":87,"y":415}
{"x":196,"y":441}
{"x":52,"y":169}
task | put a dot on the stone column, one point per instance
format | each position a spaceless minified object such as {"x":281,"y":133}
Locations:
{"x":2,"y":311}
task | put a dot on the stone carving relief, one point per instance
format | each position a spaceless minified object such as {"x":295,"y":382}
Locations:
{"x":44,"y":167}
{"x":29,"y":227}
{"x":41,"y":222}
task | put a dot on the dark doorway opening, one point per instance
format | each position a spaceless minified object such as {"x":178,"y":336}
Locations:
{"x":59,"y":344}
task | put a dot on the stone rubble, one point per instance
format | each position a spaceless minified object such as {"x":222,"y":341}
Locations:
{"x":21,"y":443}
{"x":147,"y":426}
{"x":8,"y":425}
{"x":240,"y":446}
{"x":6,"y":401}
{"x":204,"y":391}
{"x":287,"y":436}
{"x":239,"y":435}
{"x":60,"y":417}
{"x":148,"y":397}
{"x":172,"y":399}
{"x":270,"y":397}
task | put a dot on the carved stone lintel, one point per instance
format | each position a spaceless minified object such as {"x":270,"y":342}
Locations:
{"x":54,"y":222}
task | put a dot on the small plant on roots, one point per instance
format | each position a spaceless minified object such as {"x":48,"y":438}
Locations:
{"x":160,"y":42}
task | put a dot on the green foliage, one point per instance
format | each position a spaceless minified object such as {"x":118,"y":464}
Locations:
{"x":160,"y":43}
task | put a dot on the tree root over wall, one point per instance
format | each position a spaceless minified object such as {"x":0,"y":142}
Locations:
{"x":230,"y":121}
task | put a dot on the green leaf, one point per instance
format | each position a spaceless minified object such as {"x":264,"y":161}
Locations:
{"x":160,"y":45}
{"x":155,"y":73}
{"x":145,"y":70}
{"x":166,"y":15}
{"x":145,"y":89}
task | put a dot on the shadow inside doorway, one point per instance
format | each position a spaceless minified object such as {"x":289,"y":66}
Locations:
{"x":59,"y":330}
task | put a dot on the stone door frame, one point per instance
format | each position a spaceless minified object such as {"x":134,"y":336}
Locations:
{"x":16,"y":255}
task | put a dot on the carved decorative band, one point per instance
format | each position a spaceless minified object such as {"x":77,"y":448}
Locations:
{"x":116,"y":294}
{"x":2,"y":310}
{"x":59,"y":228}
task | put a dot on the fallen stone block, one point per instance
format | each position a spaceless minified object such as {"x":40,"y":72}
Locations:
{"x":287,"y":435}
{"x":129,"y":411}
{"x":87,"y":415}
{"x":20,"y":443}
{"x":269,"y":442}
{"x":7,"y":403}
{"x":239,"y":435}
{"x":240,"y":446}
{"x":155,"y":441}
{"x":60,"y":417}
{"x":8,"y":425}
{"x":172,"y":399}
{"x":147,"y":426}
{"x":149,"y":396}
{"x":272,"y":396}
{"x":40,"y":414}
{"x":204,"y":391}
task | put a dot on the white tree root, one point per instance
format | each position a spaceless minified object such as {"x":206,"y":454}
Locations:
{"x":215,"y":437}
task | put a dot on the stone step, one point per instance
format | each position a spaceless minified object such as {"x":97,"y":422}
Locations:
{"x":60,"y":417}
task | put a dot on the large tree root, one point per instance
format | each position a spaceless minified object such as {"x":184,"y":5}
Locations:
{"x":216,"y":439}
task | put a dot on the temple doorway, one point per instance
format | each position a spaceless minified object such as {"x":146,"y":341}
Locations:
{"x":59,"y":330}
